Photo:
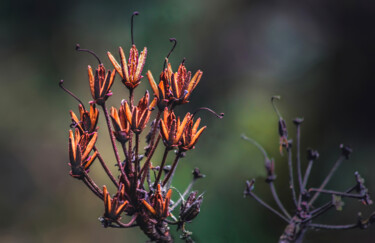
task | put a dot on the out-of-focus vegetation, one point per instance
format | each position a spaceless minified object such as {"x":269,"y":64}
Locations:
{"x":318,"y":55}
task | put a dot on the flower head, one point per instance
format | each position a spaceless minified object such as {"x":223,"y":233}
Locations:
{"x":87,"y":120}
{"x":138,"y":117}
{"x":101,"y":83}
{"x":80,"y":147}
{"x":159,"y":206}
{"x":172,"y":129}
{"x":191,"y":135}
{"x":113,"y":207}
{"x":131,"y":71}
{"x":191,"y":207}
{"x":174,"y":88}
{"x":120,"y":124}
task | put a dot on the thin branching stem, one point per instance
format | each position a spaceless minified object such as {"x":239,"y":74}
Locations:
{"x":109,"y":173}
{"x":337,"y":193}
{"x":128,"y":225}
{"x":182,"y":197}
{"x":161,"y":166}
{"x":146,"y":166}
{"x":268,"y":206}
{"x":333,"y":227}
{"x":291,"y":180}
{"x":298,"y":158}
{"x":136,"y":162}
{"x":115,"y":150}
{"x":92,"y":188}
{"x":329,"y":176}
{"x":174,"y":165}
{"x":277,"y":200}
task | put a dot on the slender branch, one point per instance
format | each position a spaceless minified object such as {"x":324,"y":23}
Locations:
{"x":136,"y":162}
{"x":187,"y":190}
{"x":146,"y":165}
{"x":161,"y":166}
{"x":291,"y":180}
{"x":343,"y":194}
{"x":307,"y":174}
{"x":298,"y":157}
{"x":333,"y":227}
{"x":112,"y":139}
{"x":91,"y":184}
{"x":326,"y":180}
{"x":109,"y":173}
{"x":268,"y":206}
{"x":92,"y":188}
{"x":277,"y":200}
{"x":174,"y":165}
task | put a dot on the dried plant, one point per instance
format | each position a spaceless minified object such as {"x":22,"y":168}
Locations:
{"x":143,"y":190}
{"x":305,"y":212}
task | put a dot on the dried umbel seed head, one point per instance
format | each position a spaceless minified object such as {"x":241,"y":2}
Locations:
{"x":80,"y":147}
{"x":158,"y":206}
{"x":120,"y":124}
{"x":112,"y":208}
{"x":88,"y":119}
{"x":101,"y":83}
{"x":191,"y":207}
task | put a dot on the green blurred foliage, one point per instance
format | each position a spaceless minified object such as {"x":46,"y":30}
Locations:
{"x":318,"y":55}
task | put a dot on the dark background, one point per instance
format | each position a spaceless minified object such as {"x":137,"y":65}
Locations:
{"x":317,"y":54}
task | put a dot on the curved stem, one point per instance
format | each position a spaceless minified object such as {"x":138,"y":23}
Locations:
{"x":326,"y":180}
{"x":174,"y":165}
{"x":291,"y":180}
{"x":277,"y":200}
{"x":115,"y":150}
{"x":146,"y":166}
{"x":161,"y":166}
{"x":109,"y":173}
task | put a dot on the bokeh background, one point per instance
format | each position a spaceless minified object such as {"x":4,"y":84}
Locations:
{"x":317,"y":54}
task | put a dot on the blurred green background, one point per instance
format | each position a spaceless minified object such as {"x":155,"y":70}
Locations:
{"x":318,"y":55}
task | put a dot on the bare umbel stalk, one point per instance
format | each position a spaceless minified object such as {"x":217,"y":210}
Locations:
{"x":305,"y":211}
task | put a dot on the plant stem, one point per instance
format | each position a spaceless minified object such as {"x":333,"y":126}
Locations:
{"x":106,"y":168}
{"x":277,"y":200}
{"x":326,"y":180}
{"x":161,"y":167}
{"x":333,"y":227}
{"x":112,"y":139}
{"x":291,"y":180}
{"x":174,"y":165}
{"x":268,"y":206}
{"x":146,"y":165}
{"x":298,"y":157}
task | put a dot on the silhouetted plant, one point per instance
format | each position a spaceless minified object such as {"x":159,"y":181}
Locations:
{"x":301,"y":218}
{"x":145,"y":199}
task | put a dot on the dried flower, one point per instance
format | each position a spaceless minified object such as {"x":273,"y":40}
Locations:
{"x":191,"y":207}
{"x":80,"y":147}
{"x":130,"y":72}
{"x":112,"y":207}
{"x":88,"y":119}
{"x":174,"y":88}
{"x":172,"y":129}
{"x":138,"y":117}
{"x":120,"y":124}
{"x":191,"y":135}
{"x":101,"y":83}
{"x":159,"y":206}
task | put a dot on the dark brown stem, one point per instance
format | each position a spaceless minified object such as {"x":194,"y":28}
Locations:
{"x":136,"y":162}
{"x":174,"y":165}
{"x":260,"y":201}
{"x":343,"y":194}
{"x":291,"y":180}
{"x":145,"y":168}
{"x":277,"y":200}
{"x":333,"y":227}
{"x":298,"y":158}
{"x":112,"y":139}
{"x":326,"y":180}
{"x":161,"y":167}
{"x":109,"y":173}
{"x":92,"y":188}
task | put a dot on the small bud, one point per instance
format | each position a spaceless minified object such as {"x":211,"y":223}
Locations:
{"x":298,"y":121}
{"x":249,"y":187}
{"x":345,"y":150}
{"x":312,"y":154}
{"x":197,"y":174}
